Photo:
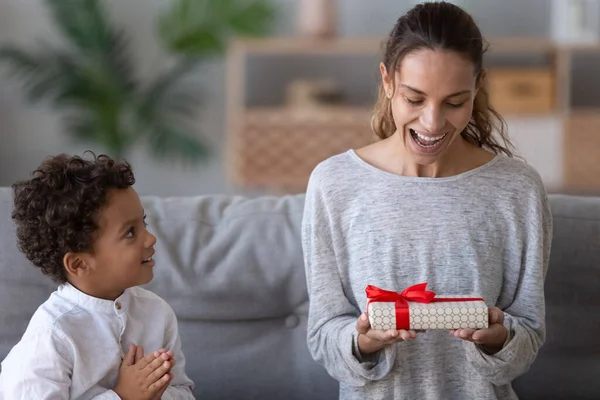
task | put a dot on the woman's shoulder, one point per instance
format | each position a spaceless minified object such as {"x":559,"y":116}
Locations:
{"x":333,"y":168}
{"x":516,"y":172}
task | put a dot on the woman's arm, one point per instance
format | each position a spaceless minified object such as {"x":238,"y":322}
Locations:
{"x":524,"y":318}
{"x":332,"y":335}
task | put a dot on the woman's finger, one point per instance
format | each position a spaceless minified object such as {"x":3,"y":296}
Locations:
{"x":362,"y":324}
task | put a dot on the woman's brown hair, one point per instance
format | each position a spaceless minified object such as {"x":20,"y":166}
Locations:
{"x":442,"y":26}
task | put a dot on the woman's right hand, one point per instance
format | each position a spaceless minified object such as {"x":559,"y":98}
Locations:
{"x":372,"y":340}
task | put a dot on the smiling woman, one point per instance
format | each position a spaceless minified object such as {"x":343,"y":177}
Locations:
{"x":438,"y":199}
{"x":433,"y":90}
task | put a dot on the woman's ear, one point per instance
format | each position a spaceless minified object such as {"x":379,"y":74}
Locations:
{"x":481,"y":80}
{"x":76,"y":264}
{"x":386,"y":81}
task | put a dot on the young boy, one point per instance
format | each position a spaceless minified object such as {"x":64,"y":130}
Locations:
{"x":81,"y":223}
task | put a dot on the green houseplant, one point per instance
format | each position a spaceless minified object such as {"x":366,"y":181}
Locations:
{"x":92,"y":80}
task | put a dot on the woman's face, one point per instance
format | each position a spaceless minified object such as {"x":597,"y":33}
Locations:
{"x":432,"y":97}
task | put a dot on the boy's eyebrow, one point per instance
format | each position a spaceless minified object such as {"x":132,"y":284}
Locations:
{"x":130,"y":222}
{"x":423,"y":93}
{"x":127,"y":224}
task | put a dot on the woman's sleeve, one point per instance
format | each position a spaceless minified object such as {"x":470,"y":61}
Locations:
{"x":525,"y":316}
{"x":332,"y":336}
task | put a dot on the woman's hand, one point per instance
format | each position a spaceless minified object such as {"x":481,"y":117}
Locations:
{"x":491,"y":339}
{"x":372,"y":340}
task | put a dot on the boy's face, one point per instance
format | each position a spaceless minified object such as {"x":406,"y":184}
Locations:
{"x":123,"y":250}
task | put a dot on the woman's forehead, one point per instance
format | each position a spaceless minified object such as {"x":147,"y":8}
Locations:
{"x":435,"y":68}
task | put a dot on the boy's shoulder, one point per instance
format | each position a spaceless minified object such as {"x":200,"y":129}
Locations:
{"x":150,"y":299}
{"x":54,"y":311}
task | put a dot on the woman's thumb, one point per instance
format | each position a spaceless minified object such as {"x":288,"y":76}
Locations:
{"x":362,"y":325}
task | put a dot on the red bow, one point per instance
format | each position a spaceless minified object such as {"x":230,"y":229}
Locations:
{"x":416,"y":293}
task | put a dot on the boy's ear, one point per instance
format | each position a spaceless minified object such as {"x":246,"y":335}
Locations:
{"x":76,"y":264}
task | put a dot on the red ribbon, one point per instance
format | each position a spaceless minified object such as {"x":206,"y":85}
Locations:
{"x":416,"y":293}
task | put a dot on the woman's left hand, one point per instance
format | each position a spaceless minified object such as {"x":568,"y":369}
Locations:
{"x":492,"y":339}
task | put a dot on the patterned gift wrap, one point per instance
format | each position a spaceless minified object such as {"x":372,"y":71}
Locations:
{"x":417,"y":308}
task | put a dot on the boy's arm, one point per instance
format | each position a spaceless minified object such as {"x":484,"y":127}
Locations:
{"x":38,"y":367}
{"x":181,"y":386}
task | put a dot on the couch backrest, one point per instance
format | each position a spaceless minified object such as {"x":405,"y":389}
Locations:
{"x":232,"y":270}
{"x":568,"y":366}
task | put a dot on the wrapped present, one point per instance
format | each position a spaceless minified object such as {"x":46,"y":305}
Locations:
{"x":421,"y":309}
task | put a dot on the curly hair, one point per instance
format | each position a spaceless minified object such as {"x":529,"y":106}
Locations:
{"x":57,"y":210}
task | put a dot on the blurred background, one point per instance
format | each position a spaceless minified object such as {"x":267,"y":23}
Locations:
{"x":246,"y":96}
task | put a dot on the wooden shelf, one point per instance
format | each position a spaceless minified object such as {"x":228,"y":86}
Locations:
{"x":267,"y":146}
{"x":581,"y":141}
{"x":374,"y":45}
{"x":515,"y":45}
{"x":303,"y":46}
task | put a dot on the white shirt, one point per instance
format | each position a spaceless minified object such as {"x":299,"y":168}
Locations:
{"x":74,"y":343}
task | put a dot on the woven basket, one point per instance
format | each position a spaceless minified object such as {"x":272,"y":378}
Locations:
{"x":276,"y":149}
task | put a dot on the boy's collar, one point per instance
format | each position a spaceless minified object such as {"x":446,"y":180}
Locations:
{"x":71,"y":293}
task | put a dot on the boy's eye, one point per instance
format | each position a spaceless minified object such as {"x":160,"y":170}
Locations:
{"x":145,"y":223}
{"x":130,"y":233}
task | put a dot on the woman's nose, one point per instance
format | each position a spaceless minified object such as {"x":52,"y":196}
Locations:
{"x":433,"y":119}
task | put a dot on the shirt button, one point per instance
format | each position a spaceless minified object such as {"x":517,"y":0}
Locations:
{"x":118,"y":305}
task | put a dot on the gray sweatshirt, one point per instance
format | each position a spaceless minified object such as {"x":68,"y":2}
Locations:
{"x":486,"y":231}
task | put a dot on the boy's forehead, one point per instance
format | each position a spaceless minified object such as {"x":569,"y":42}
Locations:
{"x":121,"y":205}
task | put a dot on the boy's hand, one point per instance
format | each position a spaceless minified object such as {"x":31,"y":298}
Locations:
{"x":139,"y":355}
{"x":146,"y":379}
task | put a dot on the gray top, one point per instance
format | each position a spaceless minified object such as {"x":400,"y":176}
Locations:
{"x":485,"y":231}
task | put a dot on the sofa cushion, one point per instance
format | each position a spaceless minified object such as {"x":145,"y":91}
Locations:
{"x":22,"y":286}
{"x":567,"y":365}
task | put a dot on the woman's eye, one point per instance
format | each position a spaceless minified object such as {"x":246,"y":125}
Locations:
{"x":414,"y":102}
{"x":456,"y":105}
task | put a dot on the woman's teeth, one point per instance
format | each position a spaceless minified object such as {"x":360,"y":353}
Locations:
{"x":426,"y":141}
{"x":147,"y":259}
{"x":429,"y":139}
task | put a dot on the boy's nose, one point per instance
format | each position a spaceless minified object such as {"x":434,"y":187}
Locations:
{"x":150,"y":240}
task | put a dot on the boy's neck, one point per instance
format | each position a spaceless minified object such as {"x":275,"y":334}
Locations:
{"x":88,"y":289}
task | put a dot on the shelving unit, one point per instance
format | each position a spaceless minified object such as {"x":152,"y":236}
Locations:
{"x":269,"y":146}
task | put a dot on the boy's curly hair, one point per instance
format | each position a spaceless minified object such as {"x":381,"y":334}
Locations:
{"x":56,"y":211}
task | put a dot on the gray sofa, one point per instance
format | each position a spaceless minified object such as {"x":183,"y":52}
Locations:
{"x":232,"y":270}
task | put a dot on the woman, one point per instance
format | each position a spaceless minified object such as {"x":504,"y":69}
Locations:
{"x":437,"y":199}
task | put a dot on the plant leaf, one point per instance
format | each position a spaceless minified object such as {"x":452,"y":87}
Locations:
{"x":82,"y":22}
{"x":203,"y":27}
{"x":167,"y":96}
{"x":169,"y":139}
{"x":43,"y":74}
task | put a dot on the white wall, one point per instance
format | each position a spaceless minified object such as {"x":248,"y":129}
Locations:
{"x":28,"y":134}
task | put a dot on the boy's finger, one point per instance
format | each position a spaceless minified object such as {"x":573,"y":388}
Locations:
{"x":139,"y":353}
{"x":145,"y":361}
{"x":156,"y":364}
{"x":130,"y":356}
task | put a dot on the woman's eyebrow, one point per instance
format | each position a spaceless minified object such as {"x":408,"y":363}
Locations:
{"x":424,"y":94}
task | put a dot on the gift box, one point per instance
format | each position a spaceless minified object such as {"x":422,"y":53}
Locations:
{"x":421,"y":309}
